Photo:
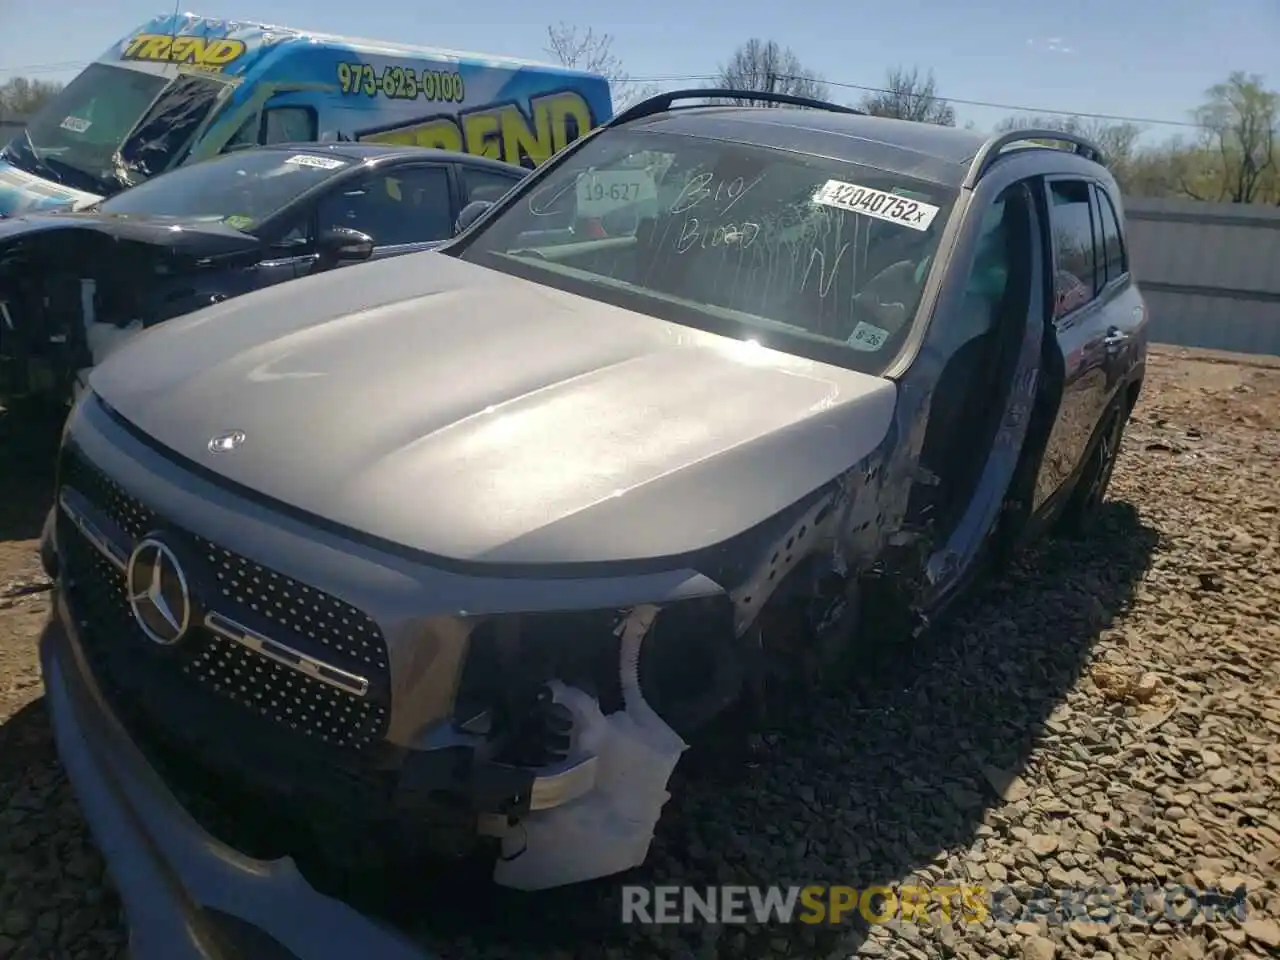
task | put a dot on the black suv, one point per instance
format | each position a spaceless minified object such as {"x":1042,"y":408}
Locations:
{"x":465,"y":545}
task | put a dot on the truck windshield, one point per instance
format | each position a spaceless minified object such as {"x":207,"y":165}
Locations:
{"x":76,"y":136}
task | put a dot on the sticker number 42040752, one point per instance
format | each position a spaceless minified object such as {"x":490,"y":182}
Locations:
{"x":876,"y":203}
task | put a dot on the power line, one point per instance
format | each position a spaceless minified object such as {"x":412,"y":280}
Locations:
{"x":1113,"y":118}
{"x":45,"y":67}
{"x":36,"y":68}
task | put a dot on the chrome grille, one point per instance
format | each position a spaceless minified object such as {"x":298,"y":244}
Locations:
{"x":276,"y":692}
{"x":300,"y":617}
{"x":296,"y":607}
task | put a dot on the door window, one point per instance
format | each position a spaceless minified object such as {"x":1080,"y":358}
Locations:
{"x":486,"y":185}
{"x":401,"y":205}
{"x":295,"y":239}
{"x":288,"y":125}
{"x":275,"y":125}
{"x":245,"y":136}
{"x":1071,"y":226}
{"x":1117,"y":264}
{"x":1000,"y":268}
{"x":1099,"y":258}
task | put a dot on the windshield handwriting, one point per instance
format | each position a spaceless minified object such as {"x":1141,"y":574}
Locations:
{"x":704,"y":186}
{"x":694,"y":233}
{"x":826,"y":276}
{"x":543,"y":206}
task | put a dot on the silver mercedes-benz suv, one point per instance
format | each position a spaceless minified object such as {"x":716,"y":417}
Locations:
{"x":454,"y":550}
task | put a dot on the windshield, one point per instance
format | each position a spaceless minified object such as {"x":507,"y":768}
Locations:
{"x":817,"y":257}
{"x":74,"y":138}
{"x":241,"y":189}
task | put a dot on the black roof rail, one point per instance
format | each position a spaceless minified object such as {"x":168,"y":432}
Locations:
{"x":662,"y":102}
{"x":991,"y":150}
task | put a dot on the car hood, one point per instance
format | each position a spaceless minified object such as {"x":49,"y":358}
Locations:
{"x":203,"y":238}
{"x":473,"y":415}
{"x":22,"y":192}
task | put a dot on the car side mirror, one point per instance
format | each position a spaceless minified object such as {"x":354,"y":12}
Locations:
{"x":339,"y":245}
{"x":472,"y":212}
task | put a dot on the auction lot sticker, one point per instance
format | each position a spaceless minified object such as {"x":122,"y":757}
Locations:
{"x":869,"y":202}
{"x":320,"y":163}
{"x":603,"y":191}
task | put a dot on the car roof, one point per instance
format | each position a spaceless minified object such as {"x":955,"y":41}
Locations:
{"x":363,"y":152}
{"x":922,"y":150}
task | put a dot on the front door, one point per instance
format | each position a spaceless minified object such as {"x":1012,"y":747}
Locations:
{"x":1080,"y":327}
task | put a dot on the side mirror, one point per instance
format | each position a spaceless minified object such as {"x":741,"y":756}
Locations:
{"x":472,"y":212}
{"x":339,"y":245}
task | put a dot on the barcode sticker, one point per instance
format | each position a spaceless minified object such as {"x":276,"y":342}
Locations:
{"x":320,"y":163}
{"x":889,"y":207}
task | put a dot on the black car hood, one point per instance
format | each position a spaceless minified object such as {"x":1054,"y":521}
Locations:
{"x":469,"y":414}
{"x":197,"y":237}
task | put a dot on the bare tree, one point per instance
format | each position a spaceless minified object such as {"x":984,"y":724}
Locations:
{"x":1118,"y":141}
{"x":1213,"y":165}
{"x":20,"y":97}
{"x":593,"y":52}
{"x":909,"y":96}
{"x":1174,"y":168}
{"x":1239,"y":119}
{"x":764,"y":66}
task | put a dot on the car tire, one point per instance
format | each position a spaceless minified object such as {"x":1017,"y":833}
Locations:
{"x":1082,"y":509}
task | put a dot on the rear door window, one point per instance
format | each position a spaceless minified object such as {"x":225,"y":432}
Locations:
{"x":1075,"y":260}
{"x":1113,"y":252}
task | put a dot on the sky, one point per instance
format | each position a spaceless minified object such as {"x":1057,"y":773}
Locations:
{"x":1149,"y":59}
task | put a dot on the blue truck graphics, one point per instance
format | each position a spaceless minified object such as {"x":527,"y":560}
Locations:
{"x":184,"y":88}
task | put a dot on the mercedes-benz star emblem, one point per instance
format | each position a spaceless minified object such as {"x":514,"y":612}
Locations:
{"x":226,"y":442}
{"x":158,"y":593}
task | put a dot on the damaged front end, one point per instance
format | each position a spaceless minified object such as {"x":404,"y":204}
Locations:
{"x":570,"y":725}
{"x":43,"y":305}
{"x":70,"y":296}
{"x":595,"y":708}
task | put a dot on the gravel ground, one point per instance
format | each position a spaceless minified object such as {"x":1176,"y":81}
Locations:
{"x":1106,"y":713}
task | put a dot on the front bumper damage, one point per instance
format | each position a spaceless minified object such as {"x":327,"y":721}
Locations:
{"x":506,"y":798}
{"x":190,"y":892}
{"x":186,"y":893}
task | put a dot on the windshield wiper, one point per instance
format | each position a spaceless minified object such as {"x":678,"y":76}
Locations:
{"x":37,"y":163}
